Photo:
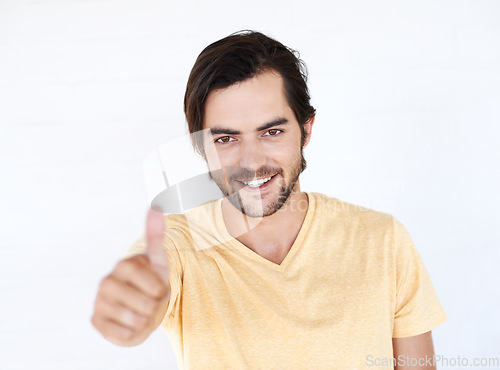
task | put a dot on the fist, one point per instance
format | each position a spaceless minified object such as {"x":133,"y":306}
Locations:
{"x":132,"y":300}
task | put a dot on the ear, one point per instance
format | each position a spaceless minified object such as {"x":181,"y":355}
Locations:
{"x":307,"y":130}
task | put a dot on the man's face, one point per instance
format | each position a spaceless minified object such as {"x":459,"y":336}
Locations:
{"x":256,"y":156}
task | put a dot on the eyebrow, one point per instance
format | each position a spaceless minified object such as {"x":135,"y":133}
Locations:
{"x":217,"y":130}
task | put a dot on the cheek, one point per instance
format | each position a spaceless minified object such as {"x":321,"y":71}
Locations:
{"x":224,"y":157}
{"x":293,"y":162}
{"x":285,"y":151}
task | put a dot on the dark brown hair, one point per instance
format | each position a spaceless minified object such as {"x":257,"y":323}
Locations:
{"x":236,"y":58}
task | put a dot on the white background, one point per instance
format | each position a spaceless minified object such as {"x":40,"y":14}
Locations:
{"x":408,"y":102}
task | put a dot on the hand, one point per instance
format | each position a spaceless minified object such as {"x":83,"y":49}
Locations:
{"x":132,"y":301}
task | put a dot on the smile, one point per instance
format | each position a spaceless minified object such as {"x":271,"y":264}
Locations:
{"x":257,"y":183}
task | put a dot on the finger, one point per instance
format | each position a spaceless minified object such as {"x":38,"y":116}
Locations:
{"x":112,"y":331}
{"x":128,"y":296}
{"x":137,"y":272}
{"x":155,"y":229}
{"x":120,"y":315}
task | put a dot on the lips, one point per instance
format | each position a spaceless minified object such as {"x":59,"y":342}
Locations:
{"x":258,"y":185}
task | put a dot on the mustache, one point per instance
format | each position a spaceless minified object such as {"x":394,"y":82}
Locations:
{"x":240,"y":173}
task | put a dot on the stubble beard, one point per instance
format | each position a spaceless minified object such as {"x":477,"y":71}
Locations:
{"x":284,"y":193}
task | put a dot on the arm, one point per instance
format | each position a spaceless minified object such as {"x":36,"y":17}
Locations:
{"x":417,"y":350}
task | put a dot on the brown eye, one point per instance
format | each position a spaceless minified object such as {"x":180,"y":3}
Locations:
{"x":273,"y":132}
{"x":224,"y":139}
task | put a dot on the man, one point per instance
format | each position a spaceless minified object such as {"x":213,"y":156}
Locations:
{"x":269,"y":276}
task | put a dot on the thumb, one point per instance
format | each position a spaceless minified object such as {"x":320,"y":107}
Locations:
{"x":155,"y":229}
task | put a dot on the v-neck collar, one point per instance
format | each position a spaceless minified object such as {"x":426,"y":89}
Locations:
{"x":219,"y":219}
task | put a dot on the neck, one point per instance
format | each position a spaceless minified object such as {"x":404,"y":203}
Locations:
{"x":273,"y":235}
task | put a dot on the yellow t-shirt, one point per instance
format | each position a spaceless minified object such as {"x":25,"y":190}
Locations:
{"x":351,"y":282}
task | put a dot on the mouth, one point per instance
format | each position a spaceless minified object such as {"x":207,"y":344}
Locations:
{"x":258,"y":185}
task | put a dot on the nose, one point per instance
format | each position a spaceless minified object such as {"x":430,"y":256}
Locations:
{"x":252,"y":155}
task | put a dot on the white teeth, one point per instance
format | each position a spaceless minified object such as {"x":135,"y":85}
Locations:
{"x":256,"y":183}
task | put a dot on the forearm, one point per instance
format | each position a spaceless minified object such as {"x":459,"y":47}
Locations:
{"x":415,"y":352}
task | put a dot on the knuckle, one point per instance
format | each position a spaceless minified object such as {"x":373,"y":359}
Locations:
{"x":97,"y":307}
{"x":124,"y":266}
{"x":112,"y":332}
{"x":126,"y":317}
{"x":102,"y":307}
{"x":95,"y":321}
{"x":107,"y":284}
{"x":137,"y":321}
{"x":129,"y":266}
{"x":140,"y":258}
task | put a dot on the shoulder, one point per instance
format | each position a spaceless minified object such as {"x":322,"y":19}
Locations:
{"x":350,"y":215}
{"x":196,"y":226}
{"x":182,"y":221}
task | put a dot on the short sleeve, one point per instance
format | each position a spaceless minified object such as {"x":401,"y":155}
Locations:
{"x":417,"y":306}
{"x":175,"y":273}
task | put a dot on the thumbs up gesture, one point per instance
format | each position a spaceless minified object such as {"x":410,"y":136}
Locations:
{"x":132,"y":301}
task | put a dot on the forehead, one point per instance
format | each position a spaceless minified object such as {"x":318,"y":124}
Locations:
{"x":248,"y":103}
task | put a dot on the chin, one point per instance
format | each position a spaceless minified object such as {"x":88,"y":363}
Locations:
{"x":263,"y":208}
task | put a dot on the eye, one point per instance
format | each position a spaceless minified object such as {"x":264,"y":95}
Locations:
{"x":273,"y":132}
{"x":224,"y":139}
